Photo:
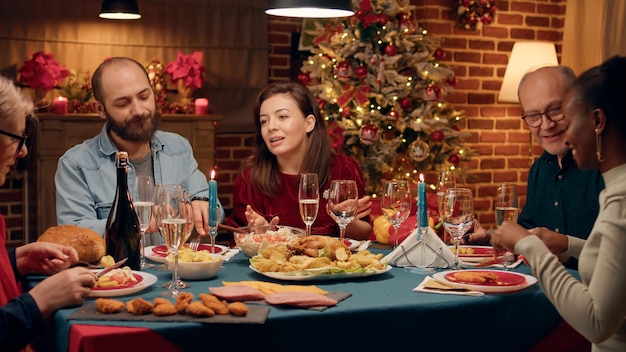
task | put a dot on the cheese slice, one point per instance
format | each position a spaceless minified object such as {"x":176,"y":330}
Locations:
{"x":268,"y":287}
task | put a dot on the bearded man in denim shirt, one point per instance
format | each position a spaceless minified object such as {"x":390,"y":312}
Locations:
{"x":86,"y":174}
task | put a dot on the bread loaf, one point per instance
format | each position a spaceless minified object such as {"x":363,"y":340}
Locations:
{"x":89,"y":244}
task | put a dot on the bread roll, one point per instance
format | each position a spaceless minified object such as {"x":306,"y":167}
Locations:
{"x":89,"y":244}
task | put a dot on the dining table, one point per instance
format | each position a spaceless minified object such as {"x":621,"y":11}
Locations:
{"x":382,"y":312}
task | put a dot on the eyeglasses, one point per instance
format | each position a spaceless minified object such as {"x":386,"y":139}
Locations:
{"x":534,"y":119}
{"x":22,"y":139}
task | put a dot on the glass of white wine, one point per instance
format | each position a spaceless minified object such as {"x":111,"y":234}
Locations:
{"x":343,"y":203}
{"x":174,"y":216}
{"x":506,"y":209}
{"x":308,"y":199}
{"x":458,"y":215}
{"x":396,"y":204}
{"x":143,"y":203}
{"x":447,"y":179}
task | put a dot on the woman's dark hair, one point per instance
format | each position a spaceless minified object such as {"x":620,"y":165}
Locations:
{"x":263,"y":164}
{"x":604,"y":87}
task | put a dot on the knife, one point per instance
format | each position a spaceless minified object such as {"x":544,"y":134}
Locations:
{"x":114,"y":266}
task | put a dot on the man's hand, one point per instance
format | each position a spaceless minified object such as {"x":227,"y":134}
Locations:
{"x":44,"y":258}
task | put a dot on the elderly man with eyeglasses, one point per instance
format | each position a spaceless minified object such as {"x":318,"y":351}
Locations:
{"x":561,"y":198}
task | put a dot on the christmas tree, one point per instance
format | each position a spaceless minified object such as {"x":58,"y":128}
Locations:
{"x":380,"y":84}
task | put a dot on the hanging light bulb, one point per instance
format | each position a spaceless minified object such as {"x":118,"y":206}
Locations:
{"x":120,"y":10}
{"x":310,"y":8}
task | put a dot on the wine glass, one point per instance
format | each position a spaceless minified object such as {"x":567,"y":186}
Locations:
{"x":308,"y":199}
{"x":506,"y":209}
{"x":342,"y":203}
{"x":213,"y":225}
{"x":172,"y":213}
{"x":447,"y":179}
{"x":396,"y":204}
{"x":457,"y":213}
{"x":143,"y":207}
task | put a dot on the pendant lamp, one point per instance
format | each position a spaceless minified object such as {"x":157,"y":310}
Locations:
{"x":310,"y":8}
{"x":120,"y":10}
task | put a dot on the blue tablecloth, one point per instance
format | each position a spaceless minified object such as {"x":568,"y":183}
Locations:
{"x":382,"y":313}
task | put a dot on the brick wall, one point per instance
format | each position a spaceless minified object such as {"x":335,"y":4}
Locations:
{"x":479,"y":58}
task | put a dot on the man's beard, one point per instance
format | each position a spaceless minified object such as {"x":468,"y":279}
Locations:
{"x":130,"y":133}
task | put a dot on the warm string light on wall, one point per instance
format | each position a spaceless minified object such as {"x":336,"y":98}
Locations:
{"x":526,"y":56}
{"x":120,"y":10}
{"x":310,"y":8}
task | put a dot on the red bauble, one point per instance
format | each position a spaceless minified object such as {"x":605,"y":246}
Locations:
{"x":304,"y":78}
{"x":437,"y":136}
{"x":452,"y":81}
{"x":393,"y":114}
{"x":403,"y":16}
{"x":406,"y":103}
{"x":407,"y":26}
{"x":432,"y":92}
{"x":321,"y":102}
{"x":361,"y":72}
{"x":391,"y":50}
{"x":456,"y":128}
{"x":369,"y":134}
{"x":439,"y":54}
{"x":383,"y":19}
{"x":346,"y":112}
{"x":454,"y":159}
{"x":343,"y":70}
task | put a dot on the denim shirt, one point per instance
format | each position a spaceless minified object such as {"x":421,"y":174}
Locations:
{"x":86,"y":176}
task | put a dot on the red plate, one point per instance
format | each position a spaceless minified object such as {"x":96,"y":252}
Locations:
{"x":161,"y":251}
{"x":479,"y":251}
{"x":493,"y":278}
{"x":137,"y":277}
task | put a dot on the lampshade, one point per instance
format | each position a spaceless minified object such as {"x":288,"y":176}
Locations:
{"x":525,"y":57}
{"x":120,"y":10}
{"x":310,"y":8}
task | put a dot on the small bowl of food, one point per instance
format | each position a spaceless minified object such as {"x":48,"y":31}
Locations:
{"x":249,"y":239}
{"x":196,"y":265}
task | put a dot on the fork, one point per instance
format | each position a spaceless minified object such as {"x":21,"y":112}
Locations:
{"x":194,"y":244}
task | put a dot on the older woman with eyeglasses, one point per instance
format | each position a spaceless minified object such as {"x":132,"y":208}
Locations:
{"x":22,"y":315}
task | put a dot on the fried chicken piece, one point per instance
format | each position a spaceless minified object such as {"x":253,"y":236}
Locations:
{"x":314,"y":244}
{"x":164,"y":309}
{"x":475,"y":277}
{"x":182,"y":301}
{"x":198,"y":309}
{"x":160,"y":300}
{"x":139,"y":306}
{"x":214,"y":303}
{"x":239,"y":309}
{"x":109,"y":306}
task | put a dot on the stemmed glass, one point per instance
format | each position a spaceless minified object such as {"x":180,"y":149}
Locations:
{"x":213,"y":225}
{"x":458,"y":214}
{"x":446,"y":180}
{"x":506,"y":209}
{"x":396,"y":204}
{"x":308,"y":199}
{"x":343,"y":203}
{"x":172,"y":213}
{"x":143,"y":207}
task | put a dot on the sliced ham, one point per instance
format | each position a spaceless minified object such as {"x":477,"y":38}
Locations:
{"x":237,"y":293}
{"x":300,"y":299}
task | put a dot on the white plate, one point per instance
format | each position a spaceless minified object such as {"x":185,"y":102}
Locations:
{"x":147,"y":281}
{"x":529,"y":281}
{"x":318,"y":274}
{"x":160,"y":258}
{"x":483,"y":253}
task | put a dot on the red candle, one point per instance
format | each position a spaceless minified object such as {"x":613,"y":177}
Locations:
{"x":59,"y":106}
{"x":202,"y":106}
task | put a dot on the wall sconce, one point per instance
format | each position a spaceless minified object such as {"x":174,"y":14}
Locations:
{"x":120,"y":10}
{"x":310,"y":8}
{"x":525,"y":57}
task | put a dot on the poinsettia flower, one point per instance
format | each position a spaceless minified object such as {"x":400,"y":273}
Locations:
{"x":188,"y":68}
{"x":41,"y":71}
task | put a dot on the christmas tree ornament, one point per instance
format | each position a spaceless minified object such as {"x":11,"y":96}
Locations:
{"x":321,"y":102}
{"x":454,"y":159}
{"x":346,"y":112}
{"x":361,"y":72}
{"x":406,"y":103}
{"x":432,"y":92}
{"x":452,"y":81}
{"x":304,"y":78}
{"x":391,"y":50}
{"x":407,"y":27}
{"x":439,"y":54}
{"x":369,"y":134}
{"x":418,"y":150}
{"x":393,"y":115}
{"x":437,"y":136}
{"x":343,"y":71}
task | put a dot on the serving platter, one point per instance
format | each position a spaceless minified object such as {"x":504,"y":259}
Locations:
{"x":144,"y":280}
{"x":320,"y":274}
{"x":158,"y":253}
{"x":507,"y":281}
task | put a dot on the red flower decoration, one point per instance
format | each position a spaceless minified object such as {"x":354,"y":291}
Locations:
{"x":41,"y":71}
{"x":188,"y":68}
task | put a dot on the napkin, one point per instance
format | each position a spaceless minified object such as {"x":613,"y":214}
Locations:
{"x":363,"y":246}
{"x":427,"y":250}
{"x":430,"y":285}
{"x":230,"y":253}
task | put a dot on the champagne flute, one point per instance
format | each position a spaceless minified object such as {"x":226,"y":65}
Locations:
{"x":447,"y":179}
{"x":143,"y":206}
{"x":396,"y":204}
{"x":343,"y":203}
{"x":308,"y":199}
{"x":506,"y":209}
{"x":458,"y":214}
{"x":213,"y":225}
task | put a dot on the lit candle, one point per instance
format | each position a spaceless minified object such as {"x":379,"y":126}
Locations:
{"x":202,"y":106}
{"x":212,"y":200}
{"x":59,"y":106}
{"x":421,"y":203}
